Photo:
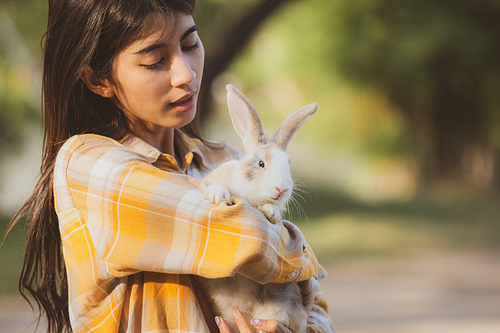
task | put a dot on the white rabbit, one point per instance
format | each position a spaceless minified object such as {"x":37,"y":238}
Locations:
{"x":263,"y":178}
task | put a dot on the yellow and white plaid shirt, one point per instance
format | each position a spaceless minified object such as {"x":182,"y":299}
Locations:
{"x":135,"y":225}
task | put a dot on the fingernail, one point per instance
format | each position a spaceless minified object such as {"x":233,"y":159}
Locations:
{"x":257,"y":322}
{"x":217,"y":321}
{"x":235,"y":313}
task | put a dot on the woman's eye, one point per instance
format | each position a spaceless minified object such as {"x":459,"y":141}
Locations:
{"x":191,"y":48}
{"x":191,"y":42}
{"x":262,"y":164}
{"x":156,"y":65}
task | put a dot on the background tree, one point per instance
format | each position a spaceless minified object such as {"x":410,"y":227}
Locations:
{"x":438,"y":63}
{"x":229,"y":27}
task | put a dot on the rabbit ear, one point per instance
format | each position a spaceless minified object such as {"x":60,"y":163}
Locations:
{"x":291,"y":124}
{"x":246,"y":120}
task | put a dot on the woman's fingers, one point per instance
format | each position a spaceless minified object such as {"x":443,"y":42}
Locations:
{"x":269,"y":325}
{"x":223,"y":327}
{"x":241,"y":322}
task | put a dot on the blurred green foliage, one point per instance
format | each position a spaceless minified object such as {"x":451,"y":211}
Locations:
{"x":213,"y":17}
{"x":11,"y":257}
{"x":438,"y":64}
{"x":21,"y":27}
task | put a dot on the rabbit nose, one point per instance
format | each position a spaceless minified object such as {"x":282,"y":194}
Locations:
{"x":280,"y":192}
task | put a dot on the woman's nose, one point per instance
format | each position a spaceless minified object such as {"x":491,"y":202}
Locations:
{"x":181,"y":72}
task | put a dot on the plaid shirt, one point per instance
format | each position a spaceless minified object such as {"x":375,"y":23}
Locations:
{"x":135,"y":225}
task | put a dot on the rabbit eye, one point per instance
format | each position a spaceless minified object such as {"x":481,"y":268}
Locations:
{"x":262,"y":164}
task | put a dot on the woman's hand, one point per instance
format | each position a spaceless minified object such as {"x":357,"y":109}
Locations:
{"x":269,"y":325}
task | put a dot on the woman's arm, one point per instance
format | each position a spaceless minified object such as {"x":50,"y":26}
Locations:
{"x":140,"y":218}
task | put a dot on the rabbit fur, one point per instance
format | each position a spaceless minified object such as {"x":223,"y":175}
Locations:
{"x":263,"y":178}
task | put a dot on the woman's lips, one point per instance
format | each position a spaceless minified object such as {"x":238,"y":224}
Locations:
{"x":184,"y":104}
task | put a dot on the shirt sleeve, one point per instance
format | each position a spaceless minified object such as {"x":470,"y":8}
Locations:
{"x":319,"y":320}
{"x":140,"y":218}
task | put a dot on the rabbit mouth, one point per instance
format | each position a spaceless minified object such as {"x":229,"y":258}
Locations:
{"x":279,"y":194}
{"x":270,"y":200}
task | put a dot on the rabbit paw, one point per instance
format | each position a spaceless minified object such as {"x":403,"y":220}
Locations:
{"x":217,"y":193}
{"x":272,"y":212}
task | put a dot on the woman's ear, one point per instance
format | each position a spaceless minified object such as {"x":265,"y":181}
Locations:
{"x":101,"y":87}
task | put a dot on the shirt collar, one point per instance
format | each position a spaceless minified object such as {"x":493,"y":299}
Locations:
{"x":189,"y":148}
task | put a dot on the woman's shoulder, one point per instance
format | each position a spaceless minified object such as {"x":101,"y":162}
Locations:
{"x":90,"y":139}
{"x":82,"y":149}
{"x":76,"y":160}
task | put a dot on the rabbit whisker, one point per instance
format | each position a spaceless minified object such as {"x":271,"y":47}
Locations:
{"x":294,"y":203}
{"x":298,"y":185}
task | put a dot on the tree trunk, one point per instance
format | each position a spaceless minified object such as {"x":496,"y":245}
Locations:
{"x":461,"y":148}
{"x":220,"y":55}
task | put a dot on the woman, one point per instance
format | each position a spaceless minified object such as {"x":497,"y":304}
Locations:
{"x":119,"y":188}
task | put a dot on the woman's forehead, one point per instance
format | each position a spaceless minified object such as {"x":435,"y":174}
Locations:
{"x":161,"y":28}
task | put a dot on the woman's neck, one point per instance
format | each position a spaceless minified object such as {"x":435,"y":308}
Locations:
{"x":162,"y":140}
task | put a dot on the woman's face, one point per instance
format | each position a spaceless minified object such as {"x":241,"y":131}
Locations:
{"x":157,"y":79}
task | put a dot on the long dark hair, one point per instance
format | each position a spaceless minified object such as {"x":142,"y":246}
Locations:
{"x":80,"y":33}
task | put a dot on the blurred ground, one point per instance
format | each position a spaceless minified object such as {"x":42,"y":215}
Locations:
{"x":17,"y":317}
{"x":439,"y":293}
{"x":446,"y":292}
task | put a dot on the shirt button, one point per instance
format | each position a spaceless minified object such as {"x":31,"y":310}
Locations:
{"x":292,"y":276}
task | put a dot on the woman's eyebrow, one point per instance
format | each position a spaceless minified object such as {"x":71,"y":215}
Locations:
{"x":189,"y":31}
{"x":160,"y":45}
{"x":151,"y":48}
